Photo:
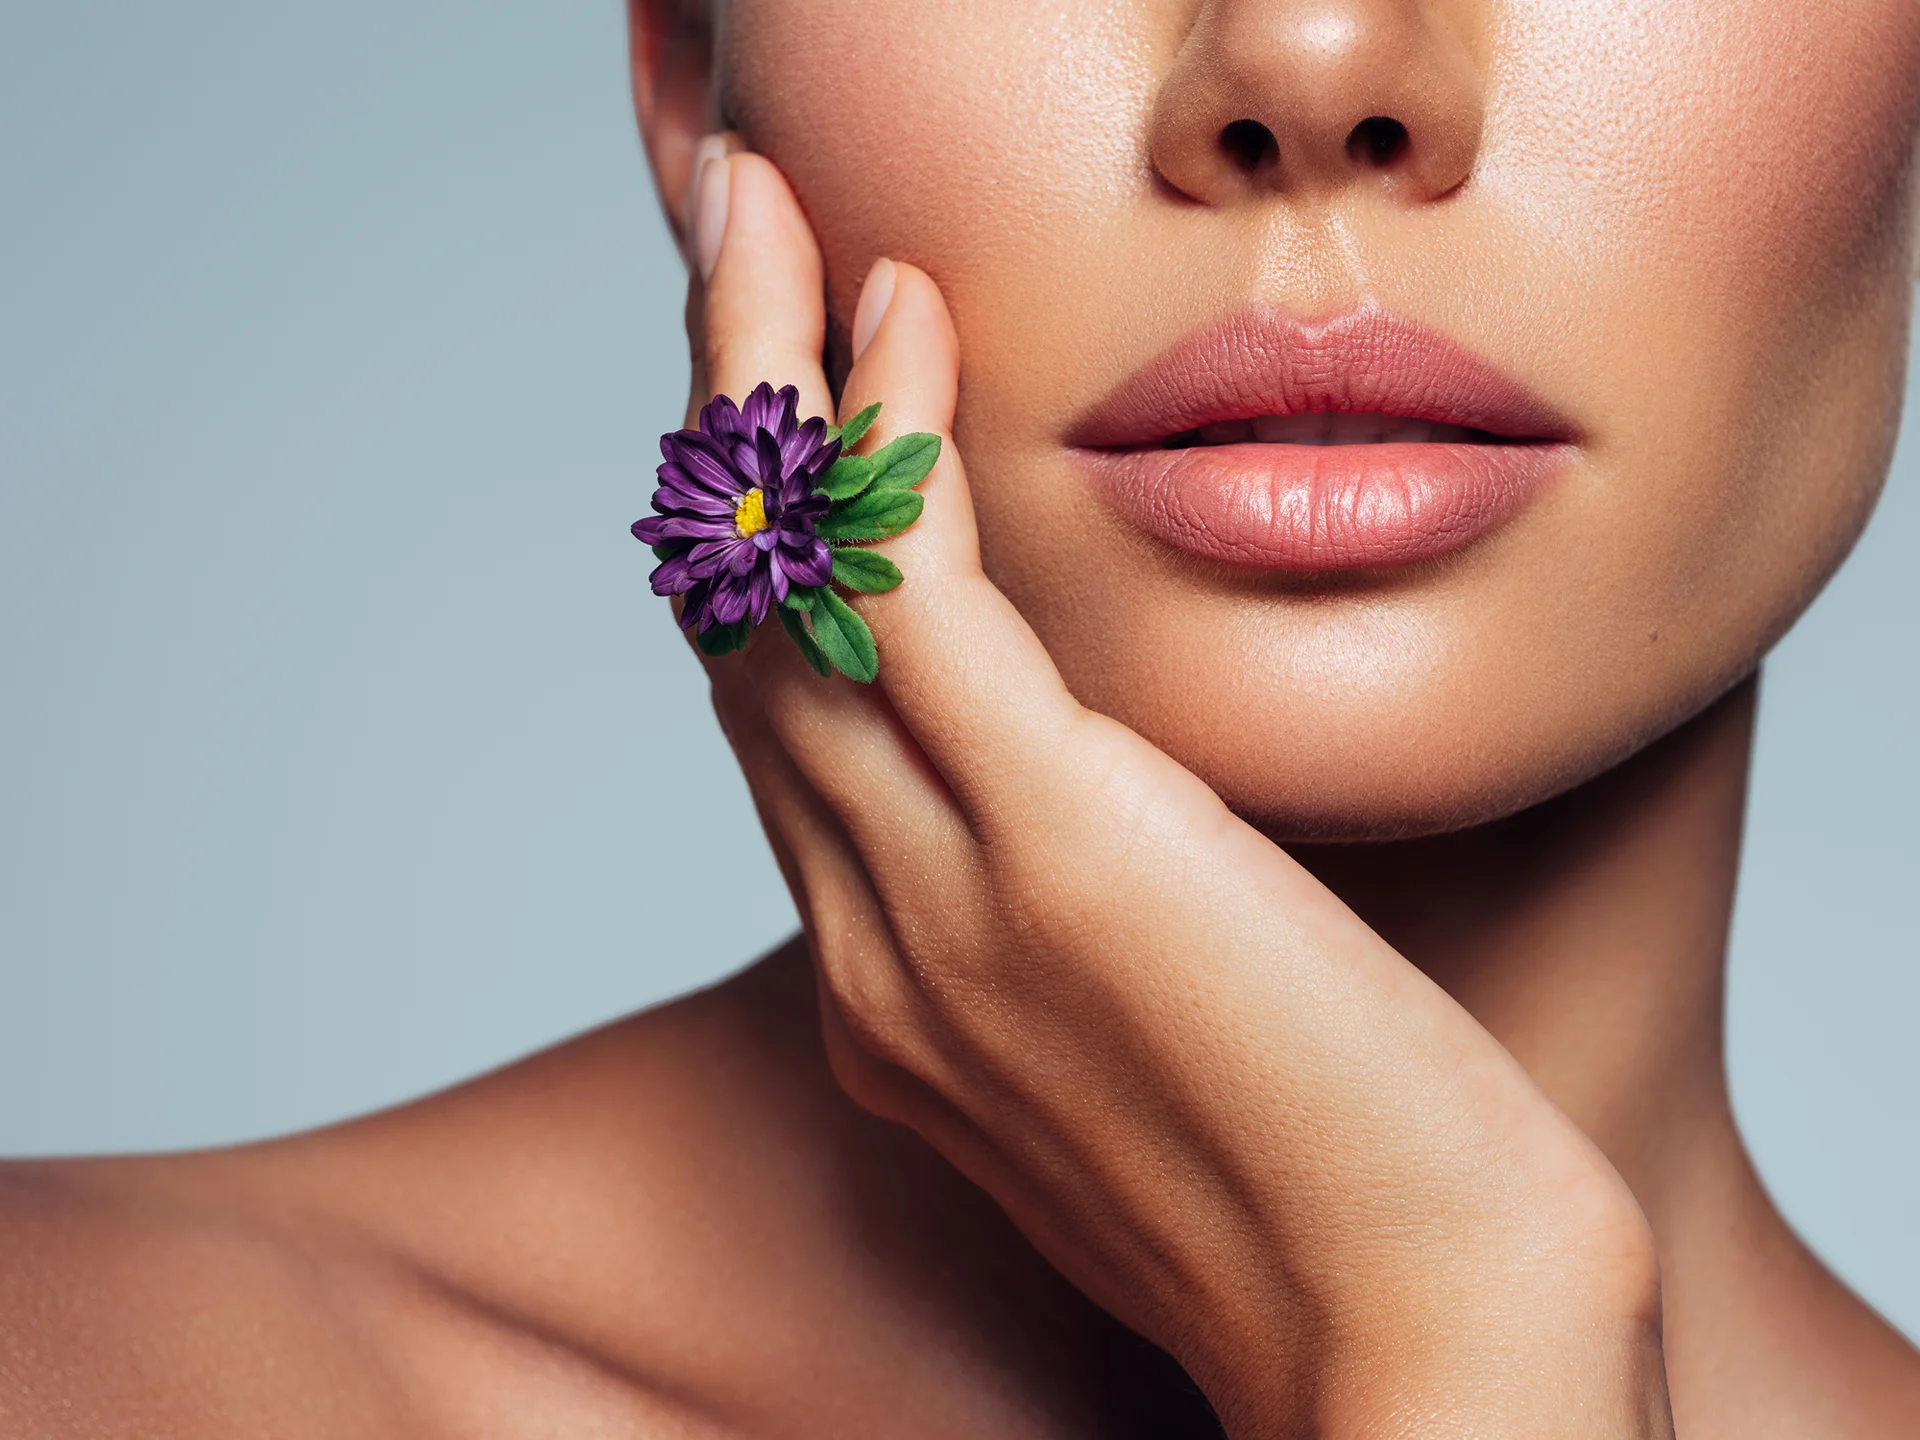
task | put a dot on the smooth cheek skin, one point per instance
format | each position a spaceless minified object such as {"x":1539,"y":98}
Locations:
{"x":1689,"y":230}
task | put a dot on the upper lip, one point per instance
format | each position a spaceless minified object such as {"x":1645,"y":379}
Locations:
{"x":1261,"y":360}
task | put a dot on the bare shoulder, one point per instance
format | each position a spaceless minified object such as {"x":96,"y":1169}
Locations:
{"x":454,"y":1266}
{"x":676,"y":1226}
{"x":126,"y":1310}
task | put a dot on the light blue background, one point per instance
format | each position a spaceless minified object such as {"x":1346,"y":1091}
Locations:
{"x":343,"y":752}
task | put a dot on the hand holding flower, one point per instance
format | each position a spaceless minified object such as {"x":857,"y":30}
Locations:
{"x":1201,"y":1086}
{"x":748,"y":505}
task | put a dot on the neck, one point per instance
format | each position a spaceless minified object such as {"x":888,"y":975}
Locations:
{"x":1588,"y":934}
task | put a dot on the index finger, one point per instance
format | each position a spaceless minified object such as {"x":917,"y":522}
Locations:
{"x":730,"y":510}
{"x":765,"y":303}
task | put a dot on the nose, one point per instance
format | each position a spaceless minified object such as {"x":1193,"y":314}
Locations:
{"x":1309,"y":96}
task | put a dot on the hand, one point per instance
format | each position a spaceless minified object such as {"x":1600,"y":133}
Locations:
{"x":1200,"y":1085}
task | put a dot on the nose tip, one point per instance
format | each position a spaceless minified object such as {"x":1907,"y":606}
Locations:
{"x":1308,"y":96}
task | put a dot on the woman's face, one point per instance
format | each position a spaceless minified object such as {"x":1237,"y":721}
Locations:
{"x":1671,"y":243}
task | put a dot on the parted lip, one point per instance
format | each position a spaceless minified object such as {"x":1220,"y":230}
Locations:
{"x":1198,"y":449}
{"x":1262,"y":360}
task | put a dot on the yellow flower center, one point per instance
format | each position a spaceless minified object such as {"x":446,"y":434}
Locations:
{"x":750,"y":515}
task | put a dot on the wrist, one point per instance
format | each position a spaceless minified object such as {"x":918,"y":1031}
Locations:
{"x":1554,"y":1368}
{"x":1481,"y":1378}
{"x":1555,"y":1333}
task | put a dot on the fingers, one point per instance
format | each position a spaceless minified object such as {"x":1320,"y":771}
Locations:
{"x":851,"y":747}
{"x":846,"y":921}
{"x":873,"y":1019}
{"x":765,"y":312}
{"x":974,"y":686}
{"x":964,"y":669}
{"x":761,"y":316}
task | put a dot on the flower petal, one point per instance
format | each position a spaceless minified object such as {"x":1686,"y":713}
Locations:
{"x":759,"y":594}
{"x":761,"y":410}
{"x":698,"y":607}
{"x":721,"y":419}
{"x":678,"y":490}
{"x":673,"y":576}
{"x":694,"y":527}
{"x":707,"y":462}
{"x":714,"y":557}
{"x":789,"y":418}
{"x":805,"y":509}
{"x":802,"y":448}
{"x":813,"y":566}
{"x":729,"y":599}
{"x":767,"y":446}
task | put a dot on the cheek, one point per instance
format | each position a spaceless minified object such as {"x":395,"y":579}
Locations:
{"x":1686,"y":229}
{"x":1722,"y":191}
{"x":1716,"y":197}
{"x":976,"y":138}
{"x":1745,"y":140}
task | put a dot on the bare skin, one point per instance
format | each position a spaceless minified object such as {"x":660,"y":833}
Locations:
{"x":587,"y":1243}
{"x":1394,"y":1136}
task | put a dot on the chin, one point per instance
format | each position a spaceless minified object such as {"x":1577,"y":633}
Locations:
{"x":1336,"y":775}
{"x":1378,"y":715}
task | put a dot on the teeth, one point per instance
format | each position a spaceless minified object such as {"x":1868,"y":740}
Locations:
{"x":1326,"y":428}
{"x":1357,"y":429}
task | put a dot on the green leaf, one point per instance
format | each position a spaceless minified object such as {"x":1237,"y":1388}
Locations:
{"x":668,"y":551}
{"x":874,"y":516}
{"x":865,"y":571}
{"x":855,"y":430}
{"x":800,"y":597}
{"x":904,"y":463}
{"x":717,"y":640}
{"x":849,"y":475}
{"x":844,"y":638}
{"x":790,"y":622}
{"x":723,"y":639}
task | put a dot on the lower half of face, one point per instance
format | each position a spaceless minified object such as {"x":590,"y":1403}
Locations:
{"x":1397,"y":413}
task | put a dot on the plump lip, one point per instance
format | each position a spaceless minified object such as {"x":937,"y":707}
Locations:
{"x":1355,"y":442}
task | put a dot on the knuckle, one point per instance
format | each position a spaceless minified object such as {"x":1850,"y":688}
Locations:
{"x":1051,"y":898}
{"x":726,"y":359}
{"x":873,"y":1009}
{"x":869,"y":1082}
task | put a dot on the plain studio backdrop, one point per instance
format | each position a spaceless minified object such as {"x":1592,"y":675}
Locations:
{"x":344,"y":752}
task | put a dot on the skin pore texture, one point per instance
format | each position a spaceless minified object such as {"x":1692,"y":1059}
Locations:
{"x":1083,"y":1107}
{"x":1646,"y":202}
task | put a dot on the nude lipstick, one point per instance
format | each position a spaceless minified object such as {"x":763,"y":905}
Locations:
{"x":1355,"y":442}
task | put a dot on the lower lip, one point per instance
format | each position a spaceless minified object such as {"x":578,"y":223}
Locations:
{"x":1323,"y":507}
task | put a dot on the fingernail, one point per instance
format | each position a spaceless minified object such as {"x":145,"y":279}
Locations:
{"x":713,"y":187}
{"x":875,"y":296}
{"x":707,"y":147}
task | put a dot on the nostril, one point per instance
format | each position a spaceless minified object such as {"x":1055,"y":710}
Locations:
{"x":1377,"y":140}
{"x":1250,"y":145}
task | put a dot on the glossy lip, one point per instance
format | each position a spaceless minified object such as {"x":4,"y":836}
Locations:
{"x":1320,"y":508}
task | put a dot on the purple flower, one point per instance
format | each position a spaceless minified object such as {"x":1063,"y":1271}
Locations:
{"x":736,"y":509}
